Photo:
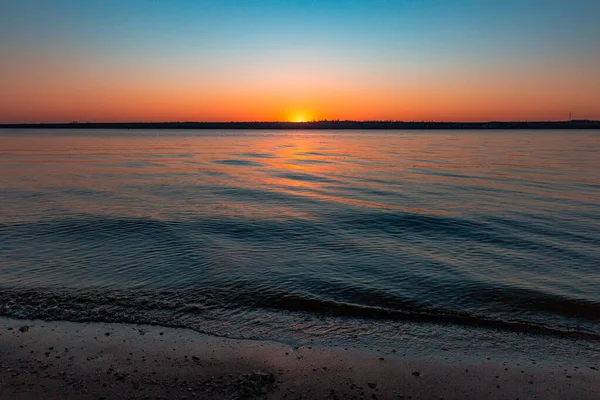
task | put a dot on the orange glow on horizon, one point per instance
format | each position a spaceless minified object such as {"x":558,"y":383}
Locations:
{"x":63,"y":93}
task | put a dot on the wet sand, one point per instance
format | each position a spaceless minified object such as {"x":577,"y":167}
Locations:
{"x":56,"y":360}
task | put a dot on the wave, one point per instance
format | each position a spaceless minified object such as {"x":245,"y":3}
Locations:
{"x":396,"y":222}
{"x":198,"y":258}
{"x":191,"y":308}
{"x":392,"y":224}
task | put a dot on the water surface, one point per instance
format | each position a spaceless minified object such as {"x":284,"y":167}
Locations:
{"x":320,"y":234}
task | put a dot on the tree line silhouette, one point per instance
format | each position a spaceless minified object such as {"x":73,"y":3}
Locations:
{"x":322,"y":124}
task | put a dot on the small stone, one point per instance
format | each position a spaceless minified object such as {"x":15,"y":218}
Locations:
{"x":416,"y":373}
{"x":24,"y":328}
{"x":372,"y":385}
{"x":107,"y":334}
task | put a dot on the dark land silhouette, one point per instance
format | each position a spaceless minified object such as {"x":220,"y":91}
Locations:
{"x":325,"y":124}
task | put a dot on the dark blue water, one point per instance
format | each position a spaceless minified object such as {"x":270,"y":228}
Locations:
{"x":326,"y":235}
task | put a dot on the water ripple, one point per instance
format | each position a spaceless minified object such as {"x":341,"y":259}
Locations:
{"x":337,"y":234}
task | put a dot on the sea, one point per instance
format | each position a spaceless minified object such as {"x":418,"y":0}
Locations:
{"x":335,"y":237}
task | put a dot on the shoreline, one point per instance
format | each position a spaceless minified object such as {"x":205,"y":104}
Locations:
{"x":40,"y":359}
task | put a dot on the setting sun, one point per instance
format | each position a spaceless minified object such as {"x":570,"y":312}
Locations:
{"x":300,"y":117}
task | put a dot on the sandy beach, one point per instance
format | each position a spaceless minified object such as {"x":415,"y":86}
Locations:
{"x":53,"y":360}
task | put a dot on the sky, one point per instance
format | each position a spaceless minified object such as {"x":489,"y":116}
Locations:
{"x":296,"y":60}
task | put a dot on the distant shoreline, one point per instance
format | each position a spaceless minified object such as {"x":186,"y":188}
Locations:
{"x":328,"y":125}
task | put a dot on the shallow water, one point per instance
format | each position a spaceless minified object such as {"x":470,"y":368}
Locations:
{"x":310,"y":235}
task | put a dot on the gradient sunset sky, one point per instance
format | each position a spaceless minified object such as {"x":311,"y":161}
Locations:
{"x":222,"y":60}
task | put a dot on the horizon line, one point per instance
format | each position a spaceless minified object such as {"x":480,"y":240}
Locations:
{"x":380,"y":121}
